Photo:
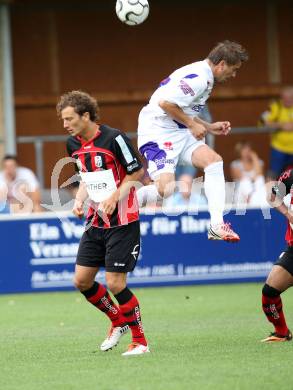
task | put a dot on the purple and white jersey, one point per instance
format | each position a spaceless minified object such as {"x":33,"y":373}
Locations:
{"x":189,"y":87}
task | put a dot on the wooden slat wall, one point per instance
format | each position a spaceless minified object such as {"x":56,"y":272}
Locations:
{"x":59,"y":47}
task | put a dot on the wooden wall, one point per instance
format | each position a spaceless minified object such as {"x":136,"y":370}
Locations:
{"x":64,"y":45}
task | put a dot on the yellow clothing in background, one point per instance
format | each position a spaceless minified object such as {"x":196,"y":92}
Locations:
{"x":281,"y":140}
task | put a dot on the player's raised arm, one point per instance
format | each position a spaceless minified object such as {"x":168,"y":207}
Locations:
{"x":278,"y":192}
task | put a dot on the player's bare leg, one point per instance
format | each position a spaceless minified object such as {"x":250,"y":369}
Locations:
{"x":214,"y":184}
{"x":98,"y":296}
{"x":278,"y":281}
{"x":163,"y":187}
{"x":129,"y":307}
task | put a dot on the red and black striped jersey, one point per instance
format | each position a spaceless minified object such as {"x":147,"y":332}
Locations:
{"x":109,"y":149}
{"x":281,"y":189}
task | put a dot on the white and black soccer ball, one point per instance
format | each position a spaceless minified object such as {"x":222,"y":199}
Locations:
{"x":132,"y":12}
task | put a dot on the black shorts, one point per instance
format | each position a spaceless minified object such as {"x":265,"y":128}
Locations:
{"x":116,"y":249}
{"x":286,"y":259}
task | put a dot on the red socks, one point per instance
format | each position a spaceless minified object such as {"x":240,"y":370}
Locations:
{"x":129,"y":307}
{"x":128,"y":311}
{"x":98,"y":296}
{"x":273,"y":309}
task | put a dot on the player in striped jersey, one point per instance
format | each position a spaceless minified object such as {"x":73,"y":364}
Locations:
{"x":281,"y":275}
{"x":109,"y":169}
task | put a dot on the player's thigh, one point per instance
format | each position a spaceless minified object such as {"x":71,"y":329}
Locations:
{"x":91,"y":250}
{"x":281,"y":275}
{"x":162,"y":151}
{"x":203,"y":156}
{"x":191,"y":144}
{"x":122,"y":247}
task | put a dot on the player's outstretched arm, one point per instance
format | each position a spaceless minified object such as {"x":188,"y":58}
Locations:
{"x":219,"y":128}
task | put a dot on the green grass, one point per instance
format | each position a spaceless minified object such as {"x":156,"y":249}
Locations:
{"x":203,"y":337}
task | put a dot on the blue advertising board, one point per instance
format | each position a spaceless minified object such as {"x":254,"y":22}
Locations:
{"x":38,"y":252}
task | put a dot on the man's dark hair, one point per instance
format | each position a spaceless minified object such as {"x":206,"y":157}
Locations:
{"x":82,"y":102}
{"x":9,"y":157}
{"x":231,"y":52}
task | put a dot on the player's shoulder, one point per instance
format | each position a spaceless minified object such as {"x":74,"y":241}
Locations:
{"x":287,"y":176}
{"x":72,"y":144}
{"x":193,"y":70}
{"x":111,"y":132}
{"x":195,"y":73}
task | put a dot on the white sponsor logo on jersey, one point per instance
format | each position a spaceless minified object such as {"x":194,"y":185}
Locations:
{"x":98,"y":161}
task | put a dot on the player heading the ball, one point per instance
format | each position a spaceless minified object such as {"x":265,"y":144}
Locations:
{"x":170,"y":131}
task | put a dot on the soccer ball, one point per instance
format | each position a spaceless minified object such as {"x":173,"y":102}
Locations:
{"x":132,"y":12}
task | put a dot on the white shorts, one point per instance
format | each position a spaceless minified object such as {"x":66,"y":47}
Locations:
{"x":165,"y":148}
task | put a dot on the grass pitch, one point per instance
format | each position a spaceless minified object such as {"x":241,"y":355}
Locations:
{"x":201,"y":337}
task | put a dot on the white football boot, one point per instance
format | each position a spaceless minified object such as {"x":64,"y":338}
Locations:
{"x":223,"y":231}
{"x":136,"y":349}
{"x":113,"y":338}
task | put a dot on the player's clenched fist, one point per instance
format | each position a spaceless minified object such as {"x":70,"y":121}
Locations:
{"x":219,"y":128}
{"x":108,"y":206}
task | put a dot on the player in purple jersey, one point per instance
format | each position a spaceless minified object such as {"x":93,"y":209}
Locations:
{"x":170,"y":132}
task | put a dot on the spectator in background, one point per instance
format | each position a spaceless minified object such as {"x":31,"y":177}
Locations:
{"x":187,"y":195}
{"x":189,"y":170}
{"x":247,"y":173}
{"x":4,"y":208}
{"x":19,"y":187}
{"x":280,"y":117}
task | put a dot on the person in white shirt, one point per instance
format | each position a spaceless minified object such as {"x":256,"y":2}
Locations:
{"x":170,"y":131}
{"x":187,"y":196}
{"x":247,"y":173}
{"x":19,"y":187}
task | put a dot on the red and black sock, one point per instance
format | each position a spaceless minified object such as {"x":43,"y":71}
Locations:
{"x":98,"y":296}
{"x":129,"y":307}
{"x":273,"y":309}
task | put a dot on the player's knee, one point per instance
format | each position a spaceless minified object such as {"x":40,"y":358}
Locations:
{"x":211,"y":158}
{"x":81,"y":284}
{"x":269,"y":291}
{"x":214,"y":158}
{"x":115,"y":286}
{"x":218,"y":158}
{"x":166,"y":189}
